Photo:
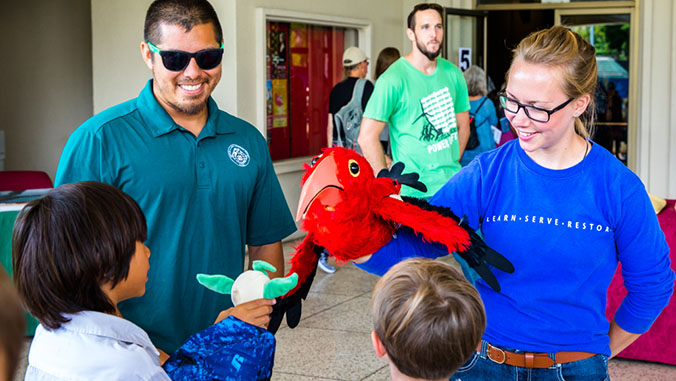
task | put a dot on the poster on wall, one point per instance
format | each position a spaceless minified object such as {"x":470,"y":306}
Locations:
{"x":268,"y":103}
{"x":277,"y":83}
{"x":298,"y":35}
{"x":280,"y":103}
{"x":277,"y":50}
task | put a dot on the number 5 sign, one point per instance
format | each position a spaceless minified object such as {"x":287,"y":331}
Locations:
{"x":464,"y":58}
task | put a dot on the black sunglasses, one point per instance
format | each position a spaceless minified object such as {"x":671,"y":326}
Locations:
{"x":177,"y":60}
{"x":537,"y":114}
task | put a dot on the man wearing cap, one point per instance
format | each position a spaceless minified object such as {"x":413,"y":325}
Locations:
{"x":355,"y":64}
{"x":424,"y":99}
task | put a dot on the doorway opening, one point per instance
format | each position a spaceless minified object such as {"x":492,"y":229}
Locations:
{"x":607,"y":30}
{"x":505,"y":30}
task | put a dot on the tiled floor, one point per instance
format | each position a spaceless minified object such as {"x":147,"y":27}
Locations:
{"x":332,"y":340}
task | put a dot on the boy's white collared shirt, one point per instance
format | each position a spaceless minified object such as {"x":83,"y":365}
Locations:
{"x":93,"y":346}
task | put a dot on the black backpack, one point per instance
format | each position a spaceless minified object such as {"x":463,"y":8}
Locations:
{"x":473,"y":141}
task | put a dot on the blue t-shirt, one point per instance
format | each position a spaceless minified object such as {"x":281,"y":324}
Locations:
{"x":204,"y":199}
{"x":564,"y":231}
{"x":484,"y":118}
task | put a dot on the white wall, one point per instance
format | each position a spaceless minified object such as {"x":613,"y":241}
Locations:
{"x":656,"y":140}
{"x":120,"y":73}
{"x":46,"y":66}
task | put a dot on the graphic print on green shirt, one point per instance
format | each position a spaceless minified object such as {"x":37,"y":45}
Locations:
{"x":437,"y":109}
{"x":421,"y":110}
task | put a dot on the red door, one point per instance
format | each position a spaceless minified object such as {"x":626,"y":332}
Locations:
{"x":312,"y":64}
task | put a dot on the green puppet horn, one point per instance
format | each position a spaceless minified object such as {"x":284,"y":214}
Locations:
{"x":219,"y":283}
{"x":280,"y":286}
{"x":263,"y":267}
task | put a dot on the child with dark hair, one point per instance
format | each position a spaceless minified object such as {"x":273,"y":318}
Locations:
{"x":12,"y":326}
{"x":428,"y":319}
{"x":77,"y":252}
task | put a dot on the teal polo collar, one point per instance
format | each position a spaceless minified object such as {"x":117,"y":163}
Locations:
{"x":160,"y":122}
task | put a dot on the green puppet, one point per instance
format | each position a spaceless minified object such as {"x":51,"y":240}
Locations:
{"x":250,"y":285}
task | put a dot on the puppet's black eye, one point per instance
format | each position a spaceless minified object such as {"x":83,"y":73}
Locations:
{"x":354,"y":168}
{"x":314,"y":160}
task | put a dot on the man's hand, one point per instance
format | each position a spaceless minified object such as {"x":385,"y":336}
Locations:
{"x":329,"y":131}
{"x":272,"y":253}
{"x":256,"y":312}
{"x":369,"y":141}
{"x":163,"y":356}
{"x":462,"y":119}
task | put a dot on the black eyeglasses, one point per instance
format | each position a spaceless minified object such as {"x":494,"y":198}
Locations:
{"x":177,"y":60}
{"x":537,"y":114}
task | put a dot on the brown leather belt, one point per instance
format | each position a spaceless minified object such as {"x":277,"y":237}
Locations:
{"x":530,"y":359}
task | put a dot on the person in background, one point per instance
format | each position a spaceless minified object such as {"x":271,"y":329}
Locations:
{"x":356,"y":66}
{"x":386,"y":57}
{"x":565,"y":212}
{"x":427,"y":319}
{"x":483,"y":111}
{"x":12,"y":327}
{"x":613,"y":113}
{"x":424,"y":99}
{"x":203,"y":177}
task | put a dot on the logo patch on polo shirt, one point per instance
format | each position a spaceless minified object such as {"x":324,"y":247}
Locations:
{"x":238,"y":155}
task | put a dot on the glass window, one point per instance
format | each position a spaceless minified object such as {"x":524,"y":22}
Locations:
{"x":303,"y":63}
{"x":609,"y":33}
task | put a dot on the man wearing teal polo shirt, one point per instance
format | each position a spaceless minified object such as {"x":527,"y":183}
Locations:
{"x":424,"y":99}
{"x":203,"y":177}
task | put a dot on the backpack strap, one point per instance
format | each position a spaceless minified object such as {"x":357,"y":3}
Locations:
{"x":477,"y":111}
{"x":480,"y":104}
{"x":357,"y":93}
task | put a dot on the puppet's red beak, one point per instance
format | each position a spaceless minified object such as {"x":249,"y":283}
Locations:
{"x":322,"y":186}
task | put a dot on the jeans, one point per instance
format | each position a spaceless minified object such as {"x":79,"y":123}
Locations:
{"x":480,"y":367}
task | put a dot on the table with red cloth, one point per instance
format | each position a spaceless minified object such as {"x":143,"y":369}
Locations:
{"x":659,"y":343}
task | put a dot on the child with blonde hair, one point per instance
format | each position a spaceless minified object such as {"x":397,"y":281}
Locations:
{"x":427,"y":318}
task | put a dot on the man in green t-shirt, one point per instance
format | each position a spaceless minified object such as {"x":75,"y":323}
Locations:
{"x":424,"y":99}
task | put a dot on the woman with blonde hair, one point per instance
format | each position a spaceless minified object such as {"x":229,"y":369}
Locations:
{"x":565,"y":212}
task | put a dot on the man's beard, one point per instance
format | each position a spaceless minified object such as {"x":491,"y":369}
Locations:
{"x":430,"y":55}
{"x":192,"y":109}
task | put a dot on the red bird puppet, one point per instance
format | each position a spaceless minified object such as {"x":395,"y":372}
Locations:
{"x":351,"y":213}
